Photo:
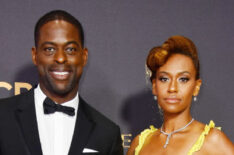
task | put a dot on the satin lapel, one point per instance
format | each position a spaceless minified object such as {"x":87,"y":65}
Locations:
{"x":83,"y":130}
{"x":26,"y":117}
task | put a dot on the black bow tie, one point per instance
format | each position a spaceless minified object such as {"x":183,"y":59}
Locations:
{"x":51,"y":107}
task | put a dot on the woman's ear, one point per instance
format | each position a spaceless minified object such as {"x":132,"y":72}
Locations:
{"x":154,"y":90}
{"x":197,"y":87}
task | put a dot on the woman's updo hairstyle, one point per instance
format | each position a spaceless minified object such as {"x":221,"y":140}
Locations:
{"x":158,"y":56}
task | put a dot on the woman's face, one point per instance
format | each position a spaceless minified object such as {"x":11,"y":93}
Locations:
{"x":175,"y":84}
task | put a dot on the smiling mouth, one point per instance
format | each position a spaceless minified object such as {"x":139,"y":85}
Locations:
{"x":60,"y":75}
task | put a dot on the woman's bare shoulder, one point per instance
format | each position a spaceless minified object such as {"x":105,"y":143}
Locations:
{"x":218,"y":142}
{"x":134,"y":144}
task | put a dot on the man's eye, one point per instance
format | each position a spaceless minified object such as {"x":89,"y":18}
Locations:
{"x":184,"y":79}
{"x":163,"y":79}
{"x":49,"y":50}
{"x":70,"y":50}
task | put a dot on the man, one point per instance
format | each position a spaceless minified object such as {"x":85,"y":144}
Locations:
{"x":32,"y":124}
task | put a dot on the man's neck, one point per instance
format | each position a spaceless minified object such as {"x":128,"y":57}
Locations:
{"x":59,"y":99}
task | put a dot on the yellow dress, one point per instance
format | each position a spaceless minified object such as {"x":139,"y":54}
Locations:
{"x":196,"y":147}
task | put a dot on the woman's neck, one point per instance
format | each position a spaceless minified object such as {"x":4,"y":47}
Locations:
{"x":174,"y":122}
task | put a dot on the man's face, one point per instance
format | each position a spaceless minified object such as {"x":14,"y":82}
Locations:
{"x":60,"y":58}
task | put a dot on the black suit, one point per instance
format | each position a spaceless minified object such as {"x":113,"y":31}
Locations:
{"x":19,"y":132}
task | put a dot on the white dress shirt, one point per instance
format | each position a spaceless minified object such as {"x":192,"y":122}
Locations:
{"x":56,"y":129}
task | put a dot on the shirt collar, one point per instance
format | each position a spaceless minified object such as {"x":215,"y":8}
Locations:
{"x":40,"y":97}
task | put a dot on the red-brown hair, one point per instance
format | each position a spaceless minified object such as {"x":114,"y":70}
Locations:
{"x":158,"y":56}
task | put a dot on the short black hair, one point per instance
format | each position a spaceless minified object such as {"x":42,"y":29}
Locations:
{"x":58,"y":15}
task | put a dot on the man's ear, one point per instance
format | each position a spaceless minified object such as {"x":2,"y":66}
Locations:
{"x":197,"y":87}
{"x":154,"y":90}
{"x":34,"y":55}
{"x":85,"y":56}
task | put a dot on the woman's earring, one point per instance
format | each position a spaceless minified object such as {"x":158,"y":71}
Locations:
{"x":195,"y":98}
{"x":155,"y":98}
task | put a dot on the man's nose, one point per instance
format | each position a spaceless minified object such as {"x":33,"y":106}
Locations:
{"x":60,"y":56}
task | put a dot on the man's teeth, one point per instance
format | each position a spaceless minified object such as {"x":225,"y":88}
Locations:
{"x":61,"y":73}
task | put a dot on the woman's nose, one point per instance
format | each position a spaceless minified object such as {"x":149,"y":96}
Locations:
{"x":173,"y":86}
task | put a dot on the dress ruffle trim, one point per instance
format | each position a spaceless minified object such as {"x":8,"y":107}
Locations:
{"x":197,"y":146}
{"x":143,"y":136}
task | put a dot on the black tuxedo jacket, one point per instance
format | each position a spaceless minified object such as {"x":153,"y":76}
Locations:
{"x":19,"y":132}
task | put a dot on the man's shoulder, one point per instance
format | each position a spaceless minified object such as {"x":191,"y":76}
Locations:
{"x":96,"y":116}
{"x":13,"y":101}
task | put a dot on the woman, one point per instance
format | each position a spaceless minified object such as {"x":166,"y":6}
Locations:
{"x":174,"y":72}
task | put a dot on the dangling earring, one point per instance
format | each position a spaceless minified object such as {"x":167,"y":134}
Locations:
{"x":159,"y":107}
{"x":160,"y":110}
{"x":195,"y":98}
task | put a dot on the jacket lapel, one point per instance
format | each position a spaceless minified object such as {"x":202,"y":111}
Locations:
{"x":26,"y":117}
{"x":83,"y":129}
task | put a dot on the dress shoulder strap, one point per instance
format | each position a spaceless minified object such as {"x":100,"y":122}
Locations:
{"x":144,"y":134}
{"x":197,"y":146}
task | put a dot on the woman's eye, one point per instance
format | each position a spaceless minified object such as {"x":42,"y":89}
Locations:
{"x":184,"y":79}
{"x":163,"y":79}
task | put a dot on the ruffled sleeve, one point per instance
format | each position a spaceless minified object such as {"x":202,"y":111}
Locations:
{"x":143,"y":137}
{"x":197,"y":146}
